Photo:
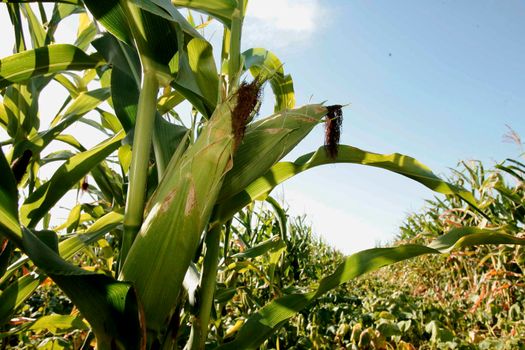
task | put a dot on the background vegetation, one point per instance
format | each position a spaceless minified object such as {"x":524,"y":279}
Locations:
{"x":469,"y":299}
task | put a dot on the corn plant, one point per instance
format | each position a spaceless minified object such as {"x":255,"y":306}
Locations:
{"x":471,"y":298}
{"x":168,"y":210}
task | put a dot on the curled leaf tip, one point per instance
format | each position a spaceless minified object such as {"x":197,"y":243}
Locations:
{"x":248,"y":97}
{"x":333,"y":126}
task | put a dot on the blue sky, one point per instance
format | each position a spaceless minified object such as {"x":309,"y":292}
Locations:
{"x":436,"y":80}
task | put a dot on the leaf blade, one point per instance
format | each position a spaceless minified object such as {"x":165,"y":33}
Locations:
{"x":20,"y":67}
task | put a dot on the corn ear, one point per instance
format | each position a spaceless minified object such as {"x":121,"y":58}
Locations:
{"x":178,"y":215}
{"x":266,"y":142}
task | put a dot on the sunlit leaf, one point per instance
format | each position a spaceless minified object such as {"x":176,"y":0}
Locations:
{"x":70,"y":173}
{"x":220,"y":9}
{"x":398,"y":163}
{"x":48,"y":59}
{"x":264,"y":65}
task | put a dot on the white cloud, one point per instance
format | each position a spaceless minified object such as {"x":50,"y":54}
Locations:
{"x":281,"y":23}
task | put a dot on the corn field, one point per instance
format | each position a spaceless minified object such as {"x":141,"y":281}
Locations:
{"x":157,"y":258}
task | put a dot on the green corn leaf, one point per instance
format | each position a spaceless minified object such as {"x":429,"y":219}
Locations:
{"x":4,"y":119}
{"x":74,"y":244}
{"x":72,"y":171}
{"x":15,"y":294}
{"x":264,"y":65}
{"x":220,"y":9}
{"x":109,"y":121}
{"x":73,"y":218}
{"x":168,"y":136}
{"x":6,"y":254}
{"x":193,"y":68}
{"x":173,"y":41}
{"x":84,"y":103}
{"x":280,"y":215}
{"x":398,"y":163}
{"x":154,"y":34}
{"x":169,"y":101}
{"x":125,"y":89}
{"x":110,"y":307}
{"x":110,"y":14}
{"x":271,"y":139}
{"x":273,"y":243}
{"x":21,"y":107}
{"x":67,"y":84}
{"x":109,"y":183}
{"x":86,"y":36}
{"x":20,"y":67}
{"x":196,"y":74}
{"x":61,"y":10}
{"x":472,"y":236}
{"x":59,"y":324}
{"x":9,"y":225}
{"x":125,"y":77}
{"x":67,"y":248}
{"x":71,"y":246}
{"x":222,"y":295}
{"x":164,"y":9}
{"x":36,"y":30}
{"x":271,"y":317}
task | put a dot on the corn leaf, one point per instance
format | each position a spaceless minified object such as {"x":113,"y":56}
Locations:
{"x":36,"y":30}
{"x":125,"y":91}
{"x":84,"y":103}
{"x":125,"y":77}
{"x":61,"y":11}
{"x":196,"y":74}
{"x":87,"y":34}
{"x":23,"y":287}
{"x":20,"y":103}
{"x":264,"y":65}
{"x":271,"y":317}
{"x":270,"y":139}
{"x":9,"y":225}
{"x":398,"y":163}
{"x":110,"y":14}
{"x":193,"y":68}
{"x":66,"y":176}
{"x":110,"y":307}
{"x":165,"y":9}
{"x":59,"y":323}
{"x":168,"y":137}
{"x":220,"y":9}
{"x":273,"y":243}
{"x":20,"y":67}
{"x":72,"y":245}
{"x":15,"y":294}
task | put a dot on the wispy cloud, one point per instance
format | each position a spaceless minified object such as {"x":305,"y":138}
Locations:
{"x":282,"y":23}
